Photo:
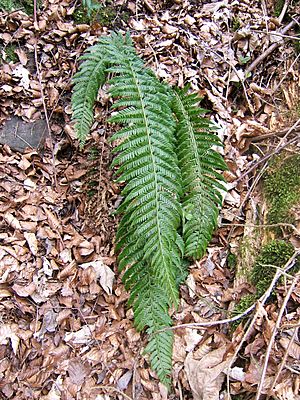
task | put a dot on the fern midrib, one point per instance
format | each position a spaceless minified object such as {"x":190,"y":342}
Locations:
{"x":171,"y":284}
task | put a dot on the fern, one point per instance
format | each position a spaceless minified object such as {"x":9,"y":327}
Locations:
{"x":199,"y":165}
{"x":148,"y":242}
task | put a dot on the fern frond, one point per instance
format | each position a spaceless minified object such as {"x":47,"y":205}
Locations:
{"x":199,"y":164}
{"x":147,"y":161}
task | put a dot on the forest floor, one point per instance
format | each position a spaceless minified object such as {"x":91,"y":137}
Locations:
{"x":66,"y":331}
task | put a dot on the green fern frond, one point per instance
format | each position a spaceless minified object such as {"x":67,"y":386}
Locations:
{"x":199,"y":164}
{"x":150,"y":305}
{"x":156,"y":179}
{"x":147,"y":161}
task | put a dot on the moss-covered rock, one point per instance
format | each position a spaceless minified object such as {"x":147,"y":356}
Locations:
{"x":282,"y":188}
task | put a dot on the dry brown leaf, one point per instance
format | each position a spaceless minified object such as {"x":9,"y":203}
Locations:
{"x":206,"y":376}
{"x":8,"y":333}
{"x":77,"y":371}
{"x":32,"y":242}
{"x":294,"y":348}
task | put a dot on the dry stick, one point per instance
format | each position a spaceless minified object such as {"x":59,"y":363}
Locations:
{"x":284,"y":10}
{"x":261,"y":302}
{"x":270,"y":49}
{"x":42,"y":92}
{"x":112,"y":389}
{"x":283,"y":224}
{"x":286,"y":353}
{"x":267,"y":156}
{"x":276,"y":327}
{"x":269,"y":135}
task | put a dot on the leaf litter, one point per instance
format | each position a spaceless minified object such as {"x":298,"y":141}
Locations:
{"x":65,"y":329}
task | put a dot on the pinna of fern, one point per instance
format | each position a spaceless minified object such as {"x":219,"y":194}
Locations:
{"x":164,"y":155}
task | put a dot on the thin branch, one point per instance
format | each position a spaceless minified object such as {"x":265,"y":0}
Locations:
{"x":276,"y":327}
{"x":290,"y":263}
{"x":267,"y":156}
{"x":283,"y":224}
{"x":42,"y":92}
{"x":261,"y":301}
{"x":286,"y":353}
{"x":270,"y":49}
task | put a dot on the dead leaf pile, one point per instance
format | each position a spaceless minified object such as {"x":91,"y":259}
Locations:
{"x":65,"y":330}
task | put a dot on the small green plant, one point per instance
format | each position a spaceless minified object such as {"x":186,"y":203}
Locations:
{"x":282,"y":188}
{"x":24,"y":5}
{"x":236,"y":24}
{"x":173,"y":185}
{"x":91,"y":6}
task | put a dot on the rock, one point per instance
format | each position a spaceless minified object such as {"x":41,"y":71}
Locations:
{"x":20,"y":135}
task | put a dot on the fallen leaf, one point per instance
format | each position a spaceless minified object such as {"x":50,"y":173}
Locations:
{"x":8,"y":332}
{"x":32,"y":242}
{"x":207,"y":375}
{"x":103,"y":272}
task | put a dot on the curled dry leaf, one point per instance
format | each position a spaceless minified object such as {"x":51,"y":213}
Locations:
{"x":103,"y":272}
{"x":8,"y":333}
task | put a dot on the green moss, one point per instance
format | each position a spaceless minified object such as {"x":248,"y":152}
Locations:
{"x":24,"y":5}
{"x":244,"y":303}
{"x":10,"y":54}
{"x":274,"y":254}
{"x":80,"y":16}
{"x":231,"y":261}
{"x":91,"y":11}
{"x":6,"y":5}
{"x":282,"y":188}
{"x":278,"y":6}
{"x":236,"y":24}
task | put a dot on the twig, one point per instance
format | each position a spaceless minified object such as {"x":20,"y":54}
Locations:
{"x":276,"y":327}
{"x":267,"y":156}
{"x":42,"y":92}
{"x":284,"y":10}
{"x":112,"y":389}
{"x":261,"y":302}
{"x":270,"y":49}
{"x":269,"y":135}
{"x":283,"y":224}
{"x":286,"y":353}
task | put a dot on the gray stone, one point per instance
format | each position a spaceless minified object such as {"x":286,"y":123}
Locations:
{"x":20,"y":135}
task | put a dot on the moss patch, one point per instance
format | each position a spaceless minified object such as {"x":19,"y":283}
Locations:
{"x":24,"y":5}
{"x":275,"y":254}
{"x":282,"y":188}
{"x":10,"y":55}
